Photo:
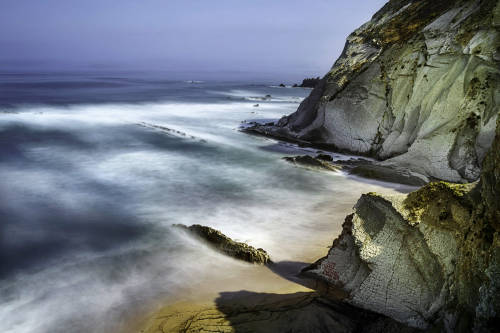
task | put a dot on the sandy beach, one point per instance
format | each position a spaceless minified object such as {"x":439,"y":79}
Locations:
{"x":234,"y":296}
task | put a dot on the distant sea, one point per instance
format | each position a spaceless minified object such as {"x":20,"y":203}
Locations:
{"x":96,"y":167}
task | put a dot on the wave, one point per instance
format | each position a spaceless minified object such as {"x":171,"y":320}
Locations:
{"x":89,"y":192}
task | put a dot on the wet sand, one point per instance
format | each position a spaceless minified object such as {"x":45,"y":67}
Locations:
{"x":239,"y":285}
{"x":238,"y":294}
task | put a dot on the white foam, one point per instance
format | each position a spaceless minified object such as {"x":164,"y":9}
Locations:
{"x":227,"y":182}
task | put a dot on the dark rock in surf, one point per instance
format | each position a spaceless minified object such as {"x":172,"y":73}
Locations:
{"x":226,"y":245}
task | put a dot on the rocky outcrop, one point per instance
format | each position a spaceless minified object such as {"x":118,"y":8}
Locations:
{"x":416,"y":87}
{"x":309,"y":82}
{"x":429,"y":258}
{"x":226,"y":245}
{"x":358,"y":167}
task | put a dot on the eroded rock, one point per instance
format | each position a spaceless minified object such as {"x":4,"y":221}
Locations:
{"x":226,"y":245}
{"x":416,"y":87}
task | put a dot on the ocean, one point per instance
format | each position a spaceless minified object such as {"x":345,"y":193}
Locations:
{"x":96,"y":167}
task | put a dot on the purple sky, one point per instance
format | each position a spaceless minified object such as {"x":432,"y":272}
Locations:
{"x":279,"y":36}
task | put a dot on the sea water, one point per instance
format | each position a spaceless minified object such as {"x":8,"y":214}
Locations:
{"x":96,"y":167}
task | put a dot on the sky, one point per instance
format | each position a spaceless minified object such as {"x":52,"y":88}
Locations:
{"x":207,"y":35}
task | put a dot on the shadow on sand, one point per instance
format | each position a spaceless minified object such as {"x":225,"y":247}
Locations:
{"x":246,"y":311}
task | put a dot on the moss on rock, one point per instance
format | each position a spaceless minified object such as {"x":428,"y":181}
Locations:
{"x":440,"y":204}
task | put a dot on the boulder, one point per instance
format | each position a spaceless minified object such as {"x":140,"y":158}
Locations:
{"x":226,"y":245}
{"x":387,"y":260}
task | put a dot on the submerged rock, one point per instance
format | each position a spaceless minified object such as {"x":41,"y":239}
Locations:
{"x":417,"y":87}
{"x":226,"y":245}
{"x":311,"y":162}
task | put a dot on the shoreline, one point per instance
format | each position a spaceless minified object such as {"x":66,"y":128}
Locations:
{"x":175,"y":312}
{"x":366,"y":165}
{"x":245,"y":279}
{"x":252,"y":286}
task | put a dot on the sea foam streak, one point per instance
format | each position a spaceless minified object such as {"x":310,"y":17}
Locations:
{"x":89,"y":192}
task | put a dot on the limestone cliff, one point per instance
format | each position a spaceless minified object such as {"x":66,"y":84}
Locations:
{"x":430,"y":258}
{"x":416,"y":87}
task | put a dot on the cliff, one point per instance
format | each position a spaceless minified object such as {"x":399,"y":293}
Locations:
{"x":428,"y":259}
{"x":417,"y":87}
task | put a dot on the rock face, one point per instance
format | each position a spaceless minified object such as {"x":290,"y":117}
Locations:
{"x":416,"y":87}
{"x":226,"y":245}
{"x":428,"y":258}
{"x":481,"y":253}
